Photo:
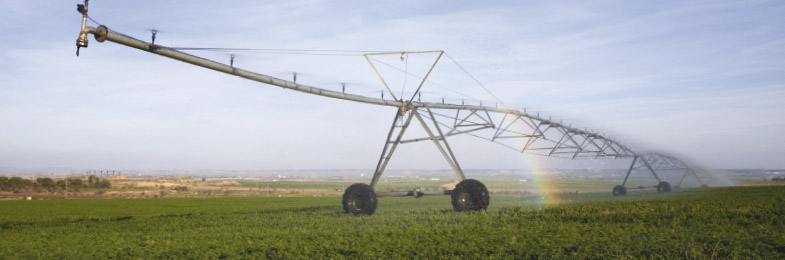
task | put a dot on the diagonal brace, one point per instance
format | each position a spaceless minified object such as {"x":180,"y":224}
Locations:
{"x":386,"y":155}
{"x":448,"y":154}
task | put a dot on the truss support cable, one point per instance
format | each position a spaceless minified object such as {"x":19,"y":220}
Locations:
{"x":475,"y":80}
{"x":202,"y":62}
{"x":103,"y":34}
{"x":421,"y":77}
{"x":425,"y":78}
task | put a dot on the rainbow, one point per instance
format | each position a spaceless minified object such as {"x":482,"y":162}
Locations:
{"x":545,"y":189}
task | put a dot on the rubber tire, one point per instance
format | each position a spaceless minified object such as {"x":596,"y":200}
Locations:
{"x":664,"y":187}
{"x":359,"y":199}
{"x":619,"y":190}
{"x":417,"y":193}
{"x":470,"y":195}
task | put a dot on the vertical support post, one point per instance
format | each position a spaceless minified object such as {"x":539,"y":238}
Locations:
{"x":81,"y":42}
{"x":385,"y":157}
{"x":634,"y":160}
{"x":450,"y":157}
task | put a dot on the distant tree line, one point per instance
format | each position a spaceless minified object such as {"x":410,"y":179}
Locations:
{"x":19,"y":184}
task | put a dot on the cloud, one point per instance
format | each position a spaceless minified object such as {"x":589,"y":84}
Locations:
{"x":699,"y":78}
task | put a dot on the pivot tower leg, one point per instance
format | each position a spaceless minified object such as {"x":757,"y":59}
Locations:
{"x":634,"y":160}
{"x":646,"y":162}
{"x":683,"y":177}
{"x":446,"y":151}
{"x":387,"y":154}
{"x":699,"y":179}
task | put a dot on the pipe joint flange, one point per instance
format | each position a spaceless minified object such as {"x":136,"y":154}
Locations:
{"x":100,"y":33}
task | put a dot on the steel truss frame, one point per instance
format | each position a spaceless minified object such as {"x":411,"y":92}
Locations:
{"x":516,"y":130}
{"x":656,"y":161}
{"x":535,"y":136}
{"x":437,"y":137}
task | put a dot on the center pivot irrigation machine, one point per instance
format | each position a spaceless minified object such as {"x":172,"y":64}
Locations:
{"x":519,"y":131}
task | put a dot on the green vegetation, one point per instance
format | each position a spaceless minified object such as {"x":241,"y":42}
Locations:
{"x":734,"y":222}
{"x":19,"y":184}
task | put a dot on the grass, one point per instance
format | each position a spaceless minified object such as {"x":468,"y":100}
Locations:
{"x":733,"y":222}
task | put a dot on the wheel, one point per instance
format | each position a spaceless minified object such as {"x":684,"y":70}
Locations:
{"x":417,"y":193}
{"x":470,"y":195}
{"x":619,"y":190}
{"x":664,"y":187}
{"x":358,"y":199}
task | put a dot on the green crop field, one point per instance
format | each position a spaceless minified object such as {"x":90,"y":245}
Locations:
{"x":733,"y":222}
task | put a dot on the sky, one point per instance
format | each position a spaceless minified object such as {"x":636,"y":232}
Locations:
{"x":704,"y":80}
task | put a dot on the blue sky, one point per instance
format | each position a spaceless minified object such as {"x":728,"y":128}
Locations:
{"x":701,"y":79}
